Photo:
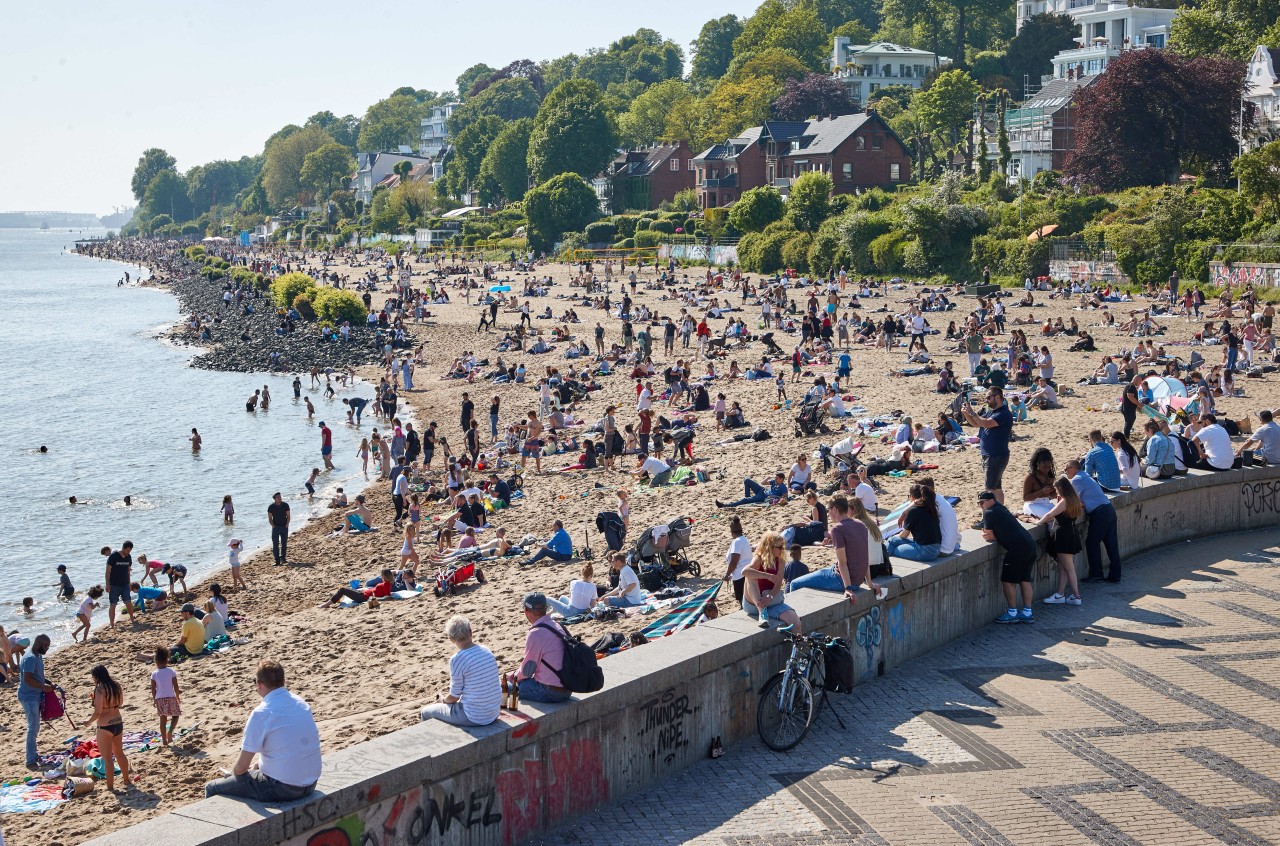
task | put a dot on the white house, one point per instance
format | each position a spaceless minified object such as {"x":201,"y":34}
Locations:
{"x":435,"y":130}
{"x":1262,"y":89}
{"x":372,"y":168}
{"x":1107,"y":29}
{"x":866,"y":68}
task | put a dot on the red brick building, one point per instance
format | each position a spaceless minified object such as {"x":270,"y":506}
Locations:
{"x":856,"y":151}
{"x":641,"y":179}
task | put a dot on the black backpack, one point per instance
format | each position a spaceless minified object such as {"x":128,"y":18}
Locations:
{"x":580,"y":673}
{"x":839,"y":666}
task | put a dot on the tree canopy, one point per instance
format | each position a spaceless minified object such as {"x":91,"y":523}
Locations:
{"x":572,"y":133}
{"x":282,"y":172}
{"x":325,"y":168}
{"x":564,"y":203}
{"x":756,"y":209}
{"x":814,"y":94}
{"x":469,"y":148}
{"x":505,"y":165}
{"x":469,"y":77}
{"x":152,"y":162}
{"x":391,"y":122}
{"x":1041,"y":38}
{"x":713,"y":48}
{"x":646,"y":120}
{"x":345,"y":130}
{"x":510,"y":98}
{"x":793,"y":27}
{"x":946,"y":108}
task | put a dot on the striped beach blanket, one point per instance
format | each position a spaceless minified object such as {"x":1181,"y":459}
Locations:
{"x":683,"y":615}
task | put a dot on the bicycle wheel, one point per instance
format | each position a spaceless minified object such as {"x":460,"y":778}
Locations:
{"x":785,"y":712}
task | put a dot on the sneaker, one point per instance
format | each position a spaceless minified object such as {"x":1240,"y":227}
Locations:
{"x":1008,"y":617}
{"x":1074,"y":600}
{"x":1056,"y":599}
{"x":1026,"y":616}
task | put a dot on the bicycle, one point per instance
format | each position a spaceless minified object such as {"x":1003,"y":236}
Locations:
{"x":792,"y":698}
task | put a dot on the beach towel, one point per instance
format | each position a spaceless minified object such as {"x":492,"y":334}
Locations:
{"x":682,"y":615}
{"x":26,"y":798}
{"x":357,"y":523}
{"x":400,"y":594}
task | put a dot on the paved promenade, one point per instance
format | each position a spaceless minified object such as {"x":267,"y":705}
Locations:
{"x":1149,"y":715}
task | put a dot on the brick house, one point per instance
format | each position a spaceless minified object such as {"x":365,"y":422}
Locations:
{"x":857,"y":151}
{"x":641,"y":179}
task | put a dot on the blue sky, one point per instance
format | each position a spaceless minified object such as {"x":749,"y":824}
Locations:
{"x":89,"y":86}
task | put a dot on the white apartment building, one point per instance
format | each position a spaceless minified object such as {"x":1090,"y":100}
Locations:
{"x":435,"y":130}
{"x":1262,"y":89}
{"x":1107,"y":29}
{"x":866,"y":68}
{"x":372,"y":168}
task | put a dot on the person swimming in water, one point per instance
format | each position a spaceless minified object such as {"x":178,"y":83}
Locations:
{"x":196,"y":440}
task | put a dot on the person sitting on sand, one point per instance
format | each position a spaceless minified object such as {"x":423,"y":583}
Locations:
{"x":192,"y":639}
{"x":1044,"y":396}
{"x":339,"y":500}
{"x":628,"y":593}
{"x":364,"y":521}
{"x":495,"y":548}
{"x":362,"y":595}
{"x":558,"y":548}
{"x":582,"y":595}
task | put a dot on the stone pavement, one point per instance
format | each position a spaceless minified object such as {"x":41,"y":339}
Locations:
{"x":1149,"y":715}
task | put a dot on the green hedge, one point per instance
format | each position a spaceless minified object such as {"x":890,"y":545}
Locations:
{"x":601,"y":232}
{"x":336,"y":305}
{"x":287,"y":288}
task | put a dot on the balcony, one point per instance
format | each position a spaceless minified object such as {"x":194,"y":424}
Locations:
{"x":730,"y":181}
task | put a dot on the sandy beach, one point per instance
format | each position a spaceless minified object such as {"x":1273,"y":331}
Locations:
{"x":367,"y":671}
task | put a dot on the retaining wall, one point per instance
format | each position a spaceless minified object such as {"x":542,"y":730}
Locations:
{"x":663,"y":704}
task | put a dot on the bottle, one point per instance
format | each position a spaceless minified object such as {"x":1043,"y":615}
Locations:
{"x":505,"y":690}
{"x":515,"y":695}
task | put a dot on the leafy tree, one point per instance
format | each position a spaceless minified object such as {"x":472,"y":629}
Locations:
{"x":602,"y":68}
{"x":946,"y":108}
{"x":713,"y":49}
{"x":855,"y":31}
{"x":984,"y":162}
{"x":1155,"y":113}
{"x":469,"y":148}
{"x":1259,"y":175}
{"x":950,"y":26}
{"x":810,"y":201}
{"x":756,"y":209}
{"x":1002,"y":138}
{"x":213,"y":184}
{"x":572,"y":133}
{"x":419,"y":95}
{"x":837,"y":13}
{"x":733,"y":106}
{"x":509,"y":99}
{"x":505,"y":164}
{"x":519,"y":69}
{"x":1206,"y":32}
{"x":166,"y":194}
{"x":686,"y":122}
{"x":345,"y":130}
{"x":646,"y":120}
{"x":772,"y":63}
{"x":469,"y":77}
{"x":153,"y":161}
{"x":336,"y":306}
{"x":646,"y":57}
{"x":795,"y":28}
{"x":391,"y":122}
{"x":559,"y":70}
{"x":814,"y":94}
{"x":1041,"y":38}
{"x":564,"y":203}
{"x":326,"y":167}
{"x":282,"y":173}
{"x":409,"y":202}
{"x":685,"y":201}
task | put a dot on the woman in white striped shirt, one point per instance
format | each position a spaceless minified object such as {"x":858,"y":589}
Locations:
{"x":475,"y":694}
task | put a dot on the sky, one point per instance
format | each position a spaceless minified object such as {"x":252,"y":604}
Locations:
{"x":89,"y":86}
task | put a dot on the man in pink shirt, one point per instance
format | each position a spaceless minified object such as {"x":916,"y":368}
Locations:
{"x":543,"y":654}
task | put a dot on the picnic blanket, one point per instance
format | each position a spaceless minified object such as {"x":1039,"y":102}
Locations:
{"x":26,"y":798}
{"x":683,"y":615}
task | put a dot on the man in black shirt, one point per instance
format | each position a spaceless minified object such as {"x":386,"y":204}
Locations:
{"x":119,"y":569}
{"x":468,"y":409}
{"x":1000,"y":526}
{"x":278,"y":517}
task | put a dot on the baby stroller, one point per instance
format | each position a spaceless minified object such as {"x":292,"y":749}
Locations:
{"x":454,"y":574}
{"x":659,"y":556}
{"x":767,"y":340}
{"x":812,"y":418}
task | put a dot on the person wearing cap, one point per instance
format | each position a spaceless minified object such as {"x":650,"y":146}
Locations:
{"x":278,"y":518}
{"x":192,"y":639}
{"x":326,"y":445}
{"x":475,"y":693}
{"x":543,"y":654}
{"x":1020,"y":551}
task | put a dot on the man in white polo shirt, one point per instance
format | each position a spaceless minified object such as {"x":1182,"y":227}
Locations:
{"x":283,"y":734}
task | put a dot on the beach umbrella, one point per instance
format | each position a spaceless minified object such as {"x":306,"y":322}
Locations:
{"x":499,"y":289}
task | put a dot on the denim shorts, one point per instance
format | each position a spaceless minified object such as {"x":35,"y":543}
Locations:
{"x":118,"y":593}
{"x":775,"y":611}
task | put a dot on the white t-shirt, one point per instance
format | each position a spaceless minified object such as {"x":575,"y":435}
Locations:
{"x":867,"y":494}
{"x":86,"y":607}
{"x":742,"y":546}
{"x":629,"y":585}
{"x":949,"y":525}
{"x":582,"y":594}
{"x":283,"y":733}
{"x":1217,"y":446}
{"x":645,"y":400}
{"x":800,"y":475}
{"x":653,"y":466}
{"x":164,"y":679}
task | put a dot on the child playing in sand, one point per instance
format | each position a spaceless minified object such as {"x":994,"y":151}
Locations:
{"x":166,"y":695}
{"x":176,"y":573}
{"x":228,"y":511}
{"x":65,"y":588}
{"x":235,"y":546}
{"x":310,"y":483}
{"x":86,"y":612}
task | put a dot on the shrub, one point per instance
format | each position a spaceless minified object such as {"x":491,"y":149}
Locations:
{"x":643,"y":224}
{"x":627,"y":244}
{"x":647,"y":238}
{"x":886,"y":252}
{"x":195,"y":252}
{"x":285,"y":289}
{"x":337,"y":305}
{"x":795,"y":252}
{"x":601,"y":232}
{"x":763,"y":252}
{"x":302,"y":304}
{"x":626,"y":225}
{"x":666,"y":227}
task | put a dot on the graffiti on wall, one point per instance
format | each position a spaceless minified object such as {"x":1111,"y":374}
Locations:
{"x":1241,"y":275}
{"x":662,"y":725}
{"x":537,"y":794}
{"x":869,"y":638}
{"x":1082,"y":270}
{"x":715,"y":254}
{"x":1261,"y":497}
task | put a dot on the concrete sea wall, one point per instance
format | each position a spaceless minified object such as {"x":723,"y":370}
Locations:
{"x":663,"y":704}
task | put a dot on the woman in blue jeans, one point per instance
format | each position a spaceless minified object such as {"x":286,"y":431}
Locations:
{"x":30,"y":691}
{"x":920,"y":538}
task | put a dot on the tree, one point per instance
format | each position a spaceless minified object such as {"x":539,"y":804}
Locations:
{"x":282,"y":173}
{"x":977,"y":24}
{"x":572,"y":133}
{"x":559,"y":70}
{"x":984,"y":161}
{"x":1205,"y":32}
{"x":1259,"y":175}
{"x":409,"y":202}
{"x":733,"y":106}
{"x":505,"y":164}
{"x":1041,"y":38}
{"x":1002,"y":138}
{"x":519,"y":69}
{"x":713,"y":49}
{"x":756,"y":209}
{"x":345,"y":130}
{"x":336,"y":306}
{"x":815,"y":94}
{"x":647,"y":57}
{"x":1154,"y":114}
{"x":469,"y":77}
{"x":564,"y":203}
{"x":794,"y":28}
{"x":772,"y":63}
{"x":508,"y":99}
{"x":837,"y":13}
{"x":153,"y":161}
{"x":946,"y":108}
{"x":855,"y":31}
{"x":685,"y":122}
{"x":469,"y":148}
{"x":326,"y":167}
{"x":166,"y":194}
{"x":391,"y":122}
{"x":810,"y":201}
{"x":213,"y":184}
{"x":646,"y":120}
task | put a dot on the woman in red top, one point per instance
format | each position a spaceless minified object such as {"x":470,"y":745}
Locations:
{"x":764,"y":594}
{"x":380,"y":591}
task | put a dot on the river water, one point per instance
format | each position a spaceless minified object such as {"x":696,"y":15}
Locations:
{"x":89,"y":379}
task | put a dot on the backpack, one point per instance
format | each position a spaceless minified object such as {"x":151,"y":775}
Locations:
{"x":579,"y":673}
{"x":839,"y":666}
{"x":53,"y":705}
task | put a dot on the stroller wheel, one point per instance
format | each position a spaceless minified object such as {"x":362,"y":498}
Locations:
{"x":437,"y":591}
{"x":695,"y":569}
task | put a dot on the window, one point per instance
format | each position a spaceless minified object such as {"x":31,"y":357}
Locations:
{"x":690,"y":164}
{"x":862,"y":143}
{"x":847,"y":169}
{"x":877,"y":142}
{"x":675,"y":164}
{"x":895,"y":172}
